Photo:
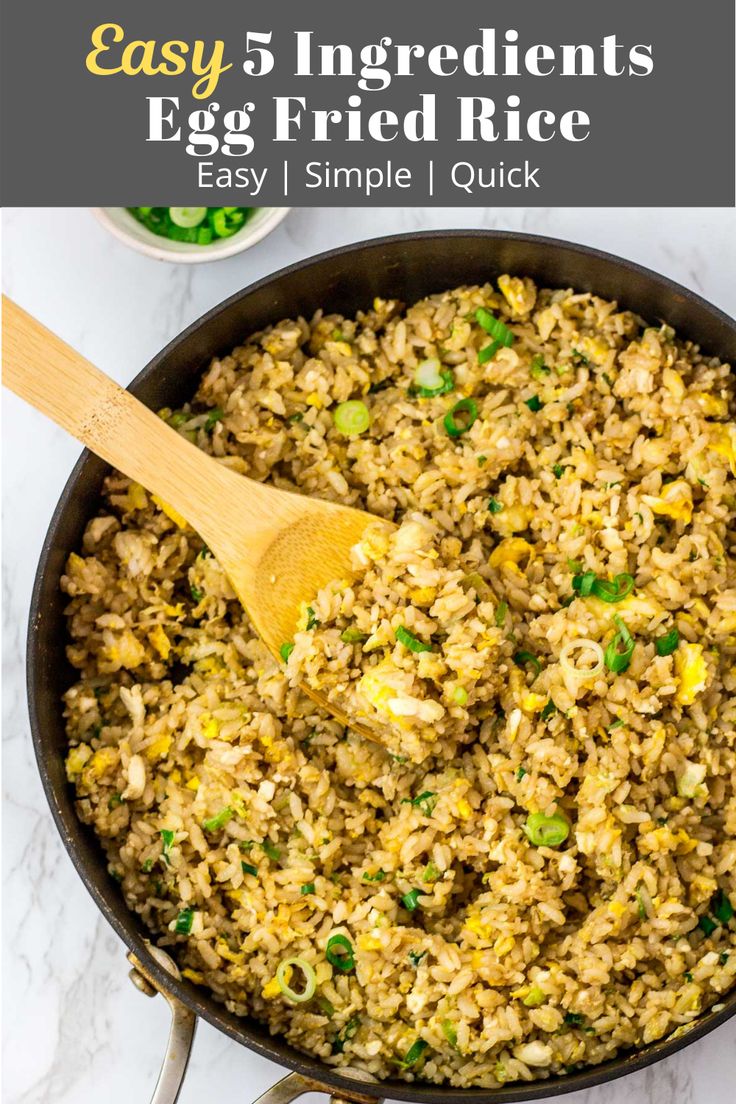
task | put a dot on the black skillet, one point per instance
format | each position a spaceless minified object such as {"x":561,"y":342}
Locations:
{"x":344,"y":280}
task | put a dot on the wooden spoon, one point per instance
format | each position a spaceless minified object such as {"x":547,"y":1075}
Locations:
{"x":277,"y":548}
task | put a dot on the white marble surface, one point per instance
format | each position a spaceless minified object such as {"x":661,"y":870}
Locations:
{"x":75,"y":1030}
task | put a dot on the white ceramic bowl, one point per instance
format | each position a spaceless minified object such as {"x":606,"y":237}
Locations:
{"x":127,"y":229}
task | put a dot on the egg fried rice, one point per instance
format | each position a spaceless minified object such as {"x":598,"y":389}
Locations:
{"x":539,"y":870}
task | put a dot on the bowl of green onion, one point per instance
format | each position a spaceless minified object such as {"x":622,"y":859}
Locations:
{"x":190,"y":235}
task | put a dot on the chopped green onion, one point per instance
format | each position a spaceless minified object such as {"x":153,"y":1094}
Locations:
{"x":493,"y":326}
{"x":460,"y":696}
{"x":339,"y":953}
{"x":495,"y":506}
{"x":448,"y":1030}
{"x":426,"y":802}
{"x":197,"y":594}
{"x":618,"y":723}
{"x":643,"y":901}
{"x":270,"y":851}
{"x":147,"y":866}
{"x":558,"y":471}
{"x":501,"y":610}
{"x":667,"y":644}
{"x":618,"y":654}
{"x":248,"y":868}
{"x":213,"y":824}
{"x":489,"y":352}
{"x":215,"y":415}
{"x":307,"y":889}
{"x":534,"y":403}
{"x":431,"y":873}
{"x":549,"y":709}
{"x":583,"y":584}
{"x":327,"y":1008}
{"x":467,"y":409}
{"x":410,"y":641}
{"x":346,"y":1034}
{"x":184,"y":920}
{"x":534,"y":997}
{"x":415,"y":957}
{"x":538,"y":368}
{"x":615,"y":591}
{"x":167,"y":837}
{"x":352,"y":418}
{"x":312,"y":621}
{"x":430,"y":380}
{"x":521,"y":772}
{"x":187,"y":216}
{"x":310,"y":980}
{"x":721,"y":907}
{"x":410,"y":900}
{"x":522,"y":659}
{"x":377,"y":877}
{"x":414,"y":1053}
{"x":707,"y":925}
{"x":115,"y":801}
{"x":221,"y":224}
{"x":286,"y":649}
{"x":574,"y":1019}
{"x":546,"y":831}
{"x":353,"y":636}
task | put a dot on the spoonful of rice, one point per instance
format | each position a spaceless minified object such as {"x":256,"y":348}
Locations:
{"x":278,"y":548}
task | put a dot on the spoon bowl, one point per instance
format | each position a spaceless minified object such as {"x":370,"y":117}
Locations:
{"x":278,"y":548}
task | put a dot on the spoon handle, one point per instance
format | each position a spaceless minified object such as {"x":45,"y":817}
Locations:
{"x":55,"y":379}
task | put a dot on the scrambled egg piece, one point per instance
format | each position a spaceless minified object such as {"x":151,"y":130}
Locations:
{"x":675,"y":501}
{"x":171,"y":513}
{"x":137,"y":498}
{"x":711,"y":405}
{"x":594,"y":349}
{"x":160,"y":641}
{"x":271,"y":989}
{"x":159,"y":749}
{"x":512,"y":550}
{"x":521,"y":295}
{"x":532,"y":703}
{"x":210,"y":727}
{"x":124,"y":651}
{"x":692,"y":672}
{"x":76,"y":759}
{"x":102,"y":759}
{"x":475,"y":925}
{"x":513,"y":519}
{"x":724,"y":443}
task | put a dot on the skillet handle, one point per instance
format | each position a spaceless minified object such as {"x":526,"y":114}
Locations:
{"x":181,"y":1038}
{"x":181,"y":1034}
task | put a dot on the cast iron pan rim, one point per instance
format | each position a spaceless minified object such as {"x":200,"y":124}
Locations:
{"x":293,"y":1059}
